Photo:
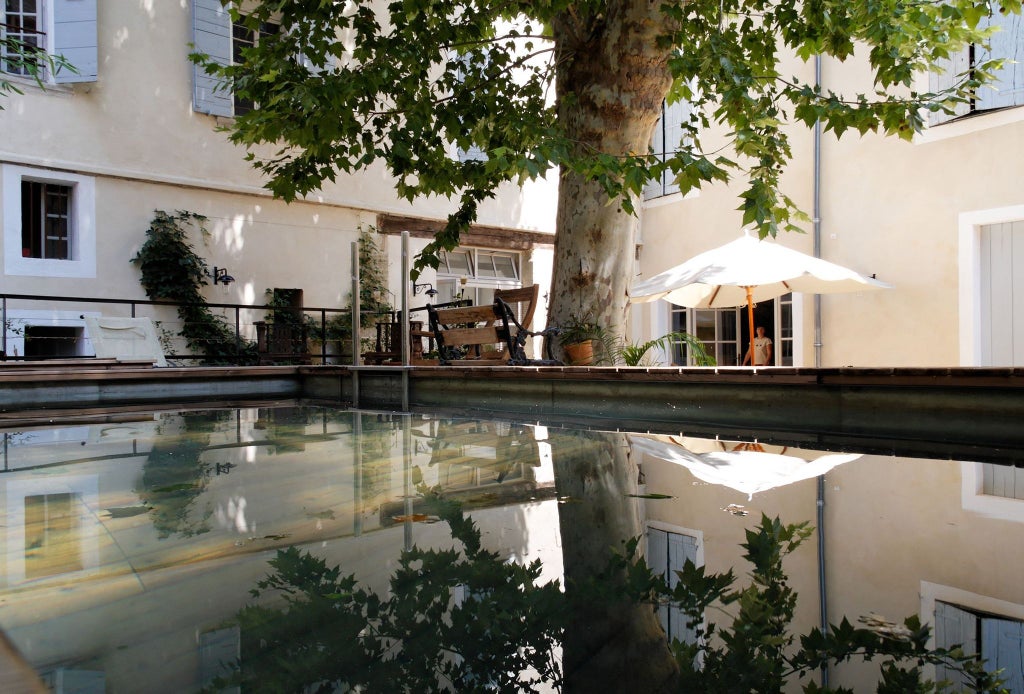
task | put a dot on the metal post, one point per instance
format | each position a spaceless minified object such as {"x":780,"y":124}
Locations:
{"x":238,"y":335}
{"x":3,"y":346}
{"x":407,"y":477}
{"x":405,"y":321}
{"x":356,"y":316}
{"x":357,"y":474}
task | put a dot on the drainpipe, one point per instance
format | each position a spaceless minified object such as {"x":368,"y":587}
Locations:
{"x":816,"y":218}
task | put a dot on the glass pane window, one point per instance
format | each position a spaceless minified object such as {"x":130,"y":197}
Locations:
{"x":242,"y":39}
{"x":455,"y":263}
{"x":21,"y":23}
{"x":45,"y":220}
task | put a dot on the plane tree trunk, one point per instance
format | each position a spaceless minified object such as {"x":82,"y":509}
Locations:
{"x":610,"y":645}
{"x":612,"y":78}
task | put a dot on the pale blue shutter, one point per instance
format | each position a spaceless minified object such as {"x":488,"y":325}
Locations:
{"x":219,"y":653}
{"x":666,"y":554}
{"x":674,"y":116}
{"x":74,"y":37}
{"x":654,"y":188}
{"x":954,"y":627}
{"x":1006,"y":43}
{"x":211,"y":35}
{"x":945,"y":74}
{"x":1002,"y":647}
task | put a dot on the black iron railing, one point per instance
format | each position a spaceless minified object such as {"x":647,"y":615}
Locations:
{"x":61,"y":334}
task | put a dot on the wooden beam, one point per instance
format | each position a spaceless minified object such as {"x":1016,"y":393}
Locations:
{"x":477,"y":235}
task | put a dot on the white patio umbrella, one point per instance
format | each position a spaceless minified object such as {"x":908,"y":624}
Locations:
{"x":746,"y":271}
{"x":747,"y":468}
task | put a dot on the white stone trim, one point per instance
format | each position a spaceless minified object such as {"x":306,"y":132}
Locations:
{"x":969,"y":268}
{"x":83,"y":225}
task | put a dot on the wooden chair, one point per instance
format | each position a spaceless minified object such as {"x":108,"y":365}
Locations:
{"x":281,"y":343}
{"x":468,"y":336}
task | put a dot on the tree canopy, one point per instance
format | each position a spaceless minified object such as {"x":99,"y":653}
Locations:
{"x":579,"y":86}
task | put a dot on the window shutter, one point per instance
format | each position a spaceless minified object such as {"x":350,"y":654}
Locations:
{"x":946,"y":74}
{"x":74,"y":37}
{"x":675,"y":115}
{"x":954,"y":626}
{"x":1002,"y":647}
{"x":1006,"y":43}
{"x":654,"y":187}
{"x":211,"y":34}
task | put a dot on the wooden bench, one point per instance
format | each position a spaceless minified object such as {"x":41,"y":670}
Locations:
{"x":483,"y":336}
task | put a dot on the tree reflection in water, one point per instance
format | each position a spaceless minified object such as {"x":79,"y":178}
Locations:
{"x":317,"y":630}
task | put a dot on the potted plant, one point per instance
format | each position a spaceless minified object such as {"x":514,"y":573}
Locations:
{"x":577,"y":336}
{"x":637,"y":353}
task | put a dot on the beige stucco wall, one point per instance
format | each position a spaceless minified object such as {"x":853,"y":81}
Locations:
{"x":888,"y":207}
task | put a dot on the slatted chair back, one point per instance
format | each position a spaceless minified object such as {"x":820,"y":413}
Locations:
{"x":467,"y":335}
{"x":523,"y":302}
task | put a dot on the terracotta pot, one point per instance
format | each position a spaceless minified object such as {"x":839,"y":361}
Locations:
{"x":580,"y":354}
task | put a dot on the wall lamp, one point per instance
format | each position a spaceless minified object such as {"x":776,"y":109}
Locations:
{"x":430,"y":291}
{"x":221,"y":276}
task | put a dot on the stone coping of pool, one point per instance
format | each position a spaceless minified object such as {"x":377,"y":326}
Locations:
{"x":979,"y":410}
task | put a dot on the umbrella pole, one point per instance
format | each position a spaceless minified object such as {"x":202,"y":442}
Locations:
{"x":750,"y":323}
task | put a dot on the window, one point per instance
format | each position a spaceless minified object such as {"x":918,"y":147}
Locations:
{"x":223,"y":41}
{"x":475,"y":273}
{"x":48,"y":223}
{"x":667,"y":553}
{"x":21,"y":23}
{"x":1008,"y":87}
{"x":45,"y":220}
{"x":61,"y":27}
{"x":669,"y":134}
{"x":725,"y":334}
{"x":242,"y":38}
{"x":997,"y":640}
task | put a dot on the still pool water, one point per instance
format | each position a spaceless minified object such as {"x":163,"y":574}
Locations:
{"x":131,"y":542}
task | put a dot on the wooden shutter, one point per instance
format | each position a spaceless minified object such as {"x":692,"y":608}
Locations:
{"x":674,"y":116}
{"x":953,"y":627}
{"x":1002,"y":647}
{"x":74,"y":37}
{"x":944,"y":75}
{"x":219,"y":653}
{"x":1002,"y":294}
{"x":666,"y":554}
{"x":211,"y":34}
{"x":655,"y":187}
{"x":1006,"y":43}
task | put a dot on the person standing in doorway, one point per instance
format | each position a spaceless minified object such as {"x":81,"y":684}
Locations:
{"x":762,"y":350}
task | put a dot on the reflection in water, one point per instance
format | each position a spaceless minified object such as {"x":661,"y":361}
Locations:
{"x":130,"y":549}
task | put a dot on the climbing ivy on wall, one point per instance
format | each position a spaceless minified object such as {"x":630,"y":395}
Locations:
{"x":172,"y":270}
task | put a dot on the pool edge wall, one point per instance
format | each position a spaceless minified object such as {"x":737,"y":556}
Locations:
{"x":980,"y":406}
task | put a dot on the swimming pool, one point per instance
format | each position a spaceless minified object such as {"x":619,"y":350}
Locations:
{"x":132,"y":540}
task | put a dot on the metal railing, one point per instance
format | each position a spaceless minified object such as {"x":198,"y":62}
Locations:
{"x":53,"y":327}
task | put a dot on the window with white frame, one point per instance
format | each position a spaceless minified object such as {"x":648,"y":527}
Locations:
{"x":1007,"y":89}
{"x":474,"y":274}
{"x":49,"y":223}
{"x":997,"y":640}
{"x":60,"y":27}
{"x":723,"y":331}
{"x":667,"y":553}
{"x":669,"y":136}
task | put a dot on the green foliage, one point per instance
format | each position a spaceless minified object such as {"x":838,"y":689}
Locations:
{"x":635,"y":354}
{"x":424,"y":78}
{"x":332,"y":634}
{"x":173,"y":271}
{"x":33,"y":61}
